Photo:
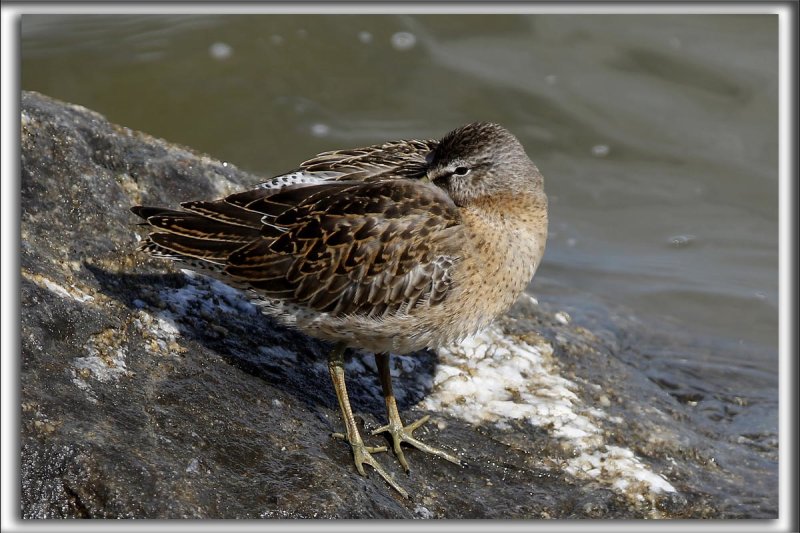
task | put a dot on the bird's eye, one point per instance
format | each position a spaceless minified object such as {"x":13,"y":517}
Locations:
{"x":461,"y":171}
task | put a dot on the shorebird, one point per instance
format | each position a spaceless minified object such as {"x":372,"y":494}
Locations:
{"x":390,"y":248}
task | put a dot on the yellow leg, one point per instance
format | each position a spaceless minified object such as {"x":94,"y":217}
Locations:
{"x":361,"y":454}
{"x":395,"y":426}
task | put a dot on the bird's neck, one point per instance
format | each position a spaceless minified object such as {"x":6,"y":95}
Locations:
{"x":521,"y":213}
{"x":506,"y":236}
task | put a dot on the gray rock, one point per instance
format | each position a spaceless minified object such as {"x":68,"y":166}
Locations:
{"x":150,"y":393}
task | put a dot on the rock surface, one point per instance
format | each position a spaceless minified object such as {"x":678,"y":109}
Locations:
{"x":150,"y":393}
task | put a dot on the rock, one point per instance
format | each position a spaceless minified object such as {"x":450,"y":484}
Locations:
{"x":151,"y":393}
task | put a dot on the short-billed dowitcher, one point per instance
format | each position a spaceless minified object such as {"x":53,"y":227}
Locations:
{"x":394,"y":247}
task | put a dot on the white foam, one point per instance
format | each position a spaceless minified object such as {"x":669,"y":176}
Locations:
{"x":492,"y":379}
{"x":220,"y":51}
{"x":201,"y":297}
{"x":195,"y":294}
{"x":320,"y":130}
{"x":278,"y":352}
{"x":403,"y":40}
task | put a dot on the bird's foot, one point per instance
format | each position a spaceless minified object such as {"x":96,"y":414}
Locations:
{"x":402,"y":433}
{"x":362,"y":455}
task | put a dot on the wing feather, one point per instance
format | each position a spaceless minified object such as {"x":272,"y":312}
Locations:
{"x":347,"y":257}
{"x":349,"y":232}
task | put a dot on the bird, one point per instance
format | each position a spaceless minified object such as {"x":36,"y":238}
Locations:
{"x":391,"y":248}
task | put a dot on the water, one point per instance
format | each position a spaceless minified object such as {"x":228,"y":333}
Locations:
{"x":657,"y":136}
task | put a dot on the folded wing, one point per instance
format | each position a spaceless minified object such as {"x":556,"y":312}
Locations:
{"x":371,"y":247}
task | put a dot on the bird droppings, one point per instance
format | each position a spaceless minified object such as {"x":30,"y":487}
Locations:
{"x":493,"y":378}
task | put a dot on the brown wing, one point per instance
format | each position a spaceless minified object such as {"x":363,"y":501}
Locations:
{"x":367,"y":248}
{"x":391,"y":160}
{"x":337,"y":247}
